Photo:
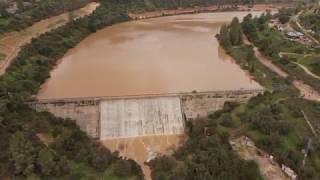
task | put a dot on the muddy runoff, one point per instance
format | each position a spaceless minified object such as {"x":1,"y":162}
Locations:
{"x":152,"y":56}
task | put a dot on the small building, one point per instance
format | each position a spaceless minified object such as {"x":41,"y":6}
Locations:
{"x":294,"y":34}
{"x":289,"y":172}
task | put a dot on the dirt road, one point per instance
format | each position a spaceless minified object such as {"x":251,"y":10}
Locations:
{"x":306,"y":91}
{"x":306,"y":70}
{"x":295,"y":19}
{"x":10,"y":43}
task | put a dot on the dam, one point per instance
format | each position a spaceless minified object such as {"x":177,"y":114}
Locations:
{"x":134,"y":86}
{"x":107,"y":118}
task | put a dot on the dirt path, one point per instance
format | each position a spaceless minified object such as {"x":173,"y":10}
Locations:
{"x":306,"y":70}
{"x":145,"y":148}
{"x":10,"y":43}
{"x":295,"y":19}
{"x":306,"y":91}
{"x":309,"y":123}
{"x":263,"y":60}
{"x":268,"y":63}
{"x":247,"y":150}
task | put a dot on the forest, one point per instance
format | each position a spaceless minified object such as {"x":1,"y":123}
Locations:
{"x":276,"y":121}
{"x":38,"y":145}
{"x":35,"y":11}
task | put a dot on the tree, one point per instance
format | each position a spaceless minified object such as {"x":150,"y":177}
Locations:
{"x":249,"y":28}
{"x":224,"y":37}
{"x":235,"y":32}
{"x":122,"y":168}
{"x":23,"y":154}
{"x":20,"y":5}
{"x":3,"y":9}
{"x":250,"y":54}
{"x":284,"y":18}
{"x":46,"y":162}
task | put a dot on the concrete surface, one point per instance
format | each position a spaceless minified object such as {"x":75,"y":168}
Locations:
{"x":140,"y":117}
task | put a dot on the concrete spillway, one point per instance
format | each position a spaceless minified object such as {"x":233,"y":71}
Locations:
{"x":140,"y":117}
{"x":146,"y":115}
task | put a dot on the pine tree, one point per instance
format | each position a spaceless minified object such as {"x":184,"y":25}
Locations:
{"x":235,"y":32}
{"x":224,"y":37}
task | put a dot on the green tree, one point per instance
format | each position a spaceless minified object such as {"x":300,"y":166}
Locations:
{"x":224,"y":37}
{"x":20,"y":5}
{"x":23,"y":154}
{"x":46,"y":162}
{"x":235,"y":32}
{"x":3,"y":8}
{"x":250,"y":54}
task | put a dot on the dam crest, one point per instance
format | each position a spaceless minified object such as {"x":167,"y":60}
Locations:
{"x":140,"y":115}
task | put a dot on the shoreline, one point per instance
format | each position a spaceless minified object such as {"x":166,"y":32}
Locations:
{"x":208,"y":9}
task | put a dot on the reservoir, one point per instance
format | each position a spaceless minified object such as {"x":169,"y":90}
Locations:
{"x":153,"y":56}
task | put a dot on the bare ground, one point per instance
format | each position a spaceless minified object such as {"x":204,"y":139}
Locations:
{"x":247,"y":150}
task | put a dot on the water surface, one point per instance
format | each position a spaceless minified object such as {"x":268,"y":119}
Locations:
{"x":153,"y":56}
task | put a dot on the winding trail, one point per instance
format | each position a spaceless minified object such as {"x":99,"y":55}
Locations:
{"x":306,"y":70}
{"x":263,"y":60}
{"x":11,"y":43}
{"x":306,"y":91}
{"x":295,"y":19}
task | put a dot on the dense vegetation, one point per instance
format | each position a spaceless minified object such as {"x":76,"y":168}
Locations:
{"x":206,"y":155}
{"x":272,"y":43}
{"x":275,"y":121}
{"x":38,"y":145}
{"x":34,"y":11}
{"x":311,"y":20}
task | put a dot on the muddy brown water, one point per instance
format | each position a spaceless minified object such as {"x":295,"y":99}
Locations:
{"x":153,"y":56}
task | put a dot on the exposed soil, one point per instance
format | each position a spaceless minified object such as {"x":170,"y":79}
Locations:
{"x":45,"y":138}
{"x":247,"y":150}
{"x":306,"y":91}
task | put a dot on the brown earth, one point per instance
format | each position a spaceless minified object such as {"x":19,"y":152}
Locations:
{"x":247,"y":150}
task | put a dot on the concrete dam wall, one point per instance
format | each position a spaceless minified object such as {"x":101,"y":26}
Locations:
{"x":146,"y":115}
{"x":140,"y":117}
